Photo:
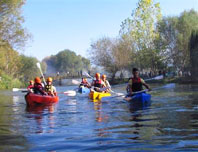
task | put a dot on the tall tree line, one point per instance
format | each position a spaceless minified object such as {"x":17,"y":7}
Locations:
{"x":15,"y":69}
{"x":67,"y":62}
{"x":149,"y":40}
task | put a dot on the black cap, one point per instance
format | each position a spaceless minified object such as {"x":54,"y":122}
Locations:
{"x":135,"y":69}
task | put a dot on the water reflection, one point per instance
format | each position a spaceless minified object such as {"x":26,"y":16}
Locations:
{"x":100,"y":115}
{"x":135,"y":106}
{"x":43,"y":116}
{"x":169,"y":123}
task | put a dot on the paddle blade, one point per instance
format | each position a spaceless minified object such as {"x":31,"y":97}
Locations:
{"x":15,"y":89}
{"x":38,"y":65}
{"x":158,"y":77}
{"x":119,"y":94}
{"x":86,"y":74}
{"x":75,"y":82}
{"x":70,"y":93}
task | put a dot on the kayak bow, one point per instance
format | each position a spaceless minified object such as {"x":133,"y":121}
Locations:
{"x":93,"y":95}
{"x":32,"y":99}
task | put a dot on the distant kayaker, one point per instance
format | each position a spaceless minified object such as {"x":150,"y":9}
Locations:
{"x":30,"y":86}
{"x":106,"y":83}
{"x":49,"y":88}
{"x":38,"y":88}
{"x":97,"y":83}
{"x":135,"y":83}
{"x":85,"y":83}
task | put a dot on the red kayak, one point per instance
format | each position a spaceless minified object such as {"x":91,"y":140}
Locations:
{"x":32,"y":99}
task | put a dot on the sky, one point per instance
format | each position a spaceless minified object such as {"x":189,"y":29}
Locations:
{"x":56,"y":25}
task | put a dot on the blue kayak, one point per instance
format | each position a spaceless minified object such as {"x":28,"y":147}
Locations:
{"x":84,"y":90}
{"x":141,"y":97}
{"x":139,"y":101}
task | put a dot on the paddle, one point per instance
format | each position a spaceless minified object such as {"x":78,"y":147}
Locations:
{"x":167,"y":86}
{"x":39,"y":66}
{"x":76,"y":82}
{"x":17,"y":89}
{"x":86,"y":74}
{"x":70,"y":93}
{"x":159,"y":77}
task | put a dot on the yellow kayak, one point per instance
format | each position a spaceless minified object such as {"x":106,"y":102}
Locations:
{"x":93,"y":95}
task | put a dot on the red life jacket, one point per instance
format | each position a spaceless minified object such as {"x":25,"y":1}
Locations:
{"x":136,"y":84}
{"x":30,"y":86}
{"x":84,"y":82}
{"x":98,"y":83}
{"x":38,"y":88}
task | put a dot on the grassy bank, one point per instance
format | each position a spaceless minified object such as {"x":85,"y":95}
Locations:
{"x":8,"y":82}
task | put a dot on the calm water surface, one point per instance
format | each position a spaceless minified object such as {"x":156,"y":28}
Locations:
{"x":169,"y":123}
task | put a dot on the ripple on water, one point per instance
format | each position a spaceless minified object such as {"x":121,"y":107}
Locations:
{"x":169,"y":123}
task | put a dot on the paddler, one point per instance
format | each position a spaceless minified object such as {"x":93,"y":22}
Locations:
{"x":30,"y":86}
{"x":97,"y":83}
{"x":85,"y":83}
{"x":106,"y":83}
{"x":136,"y":83}
{"x":49,"y":88}
{"x":38,"y":88}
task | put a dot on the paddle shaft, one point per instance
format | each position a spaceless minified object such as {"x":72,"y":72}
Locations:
{"x":39,"y":66}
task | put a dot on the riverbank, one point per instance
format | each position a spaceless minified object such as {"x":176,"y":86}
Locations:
{"x":8,"y":82}
{"x":182,"y":80}
{"x":179,"y":80}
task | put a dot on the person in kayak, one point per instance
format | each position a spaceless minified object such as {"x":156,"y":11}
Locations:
{"x":38,"y":88}
{"x":84,"y":83}
{"x":97,"y":83}
{"x":49,"y":88}
{"x":106,"y":83}
{"x":136,"y":83}
{"x":30,"y":86}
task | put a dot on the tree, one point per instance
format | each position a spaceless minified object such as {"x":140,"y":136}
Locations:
{"x":111,"y":54}
{"x":67,"y":61}
{"x":11,"y":29}
{"x":28,"y":69}
{"x":175,"y":33}
{"x":193,"y":46}
{"x":9,"y":61}
{"x":141,"y":31}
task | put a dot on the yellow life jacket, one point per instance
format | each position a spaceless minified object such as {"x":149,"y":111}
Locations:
{"x":48,"y":88}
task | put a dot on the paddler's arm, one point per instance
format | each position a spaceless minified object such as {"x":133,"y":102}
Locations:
{"x":54,"y":91}
{"x":145,"y":84}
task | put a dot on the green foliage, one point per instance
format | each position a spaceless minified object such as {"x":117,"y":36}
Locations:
{"x":28,"y":70}
{"x":8,"y":82}
{"x":9,"y":60}
{"x":11,"y":29}
{"x":141,"y":31}
{"x":175,"y":33}
{"x":67,"y":61}
{"x":14,"y":67}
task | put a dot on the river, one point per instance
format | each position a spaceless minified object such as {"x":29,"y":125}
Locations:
{"x":169,"y":123}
